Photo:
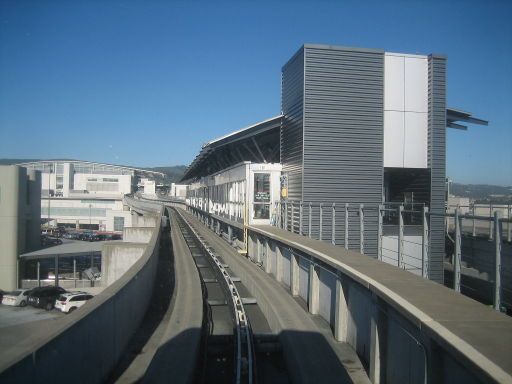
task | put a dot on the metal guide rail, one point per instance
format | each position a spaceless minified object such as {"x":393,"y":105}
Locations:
{"x":243,"y":345}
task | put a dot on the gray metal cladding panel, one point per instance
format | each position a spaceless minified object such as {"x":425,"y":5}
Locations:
{"x":343,"y":131}
{"x":292,"y":98}
{"x":437,"y":161}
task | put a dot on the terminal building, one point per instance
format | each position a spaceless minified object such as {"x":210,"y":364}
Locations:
{"x":86,"y":195}
{"x":358,"y":126}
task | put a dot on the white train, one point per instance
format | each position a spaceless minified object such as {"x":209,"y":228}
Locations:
{"x":245,"y":192}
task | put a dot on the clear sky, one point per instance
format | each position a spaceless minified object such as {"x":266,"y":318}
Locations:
{"x":146,"y":83}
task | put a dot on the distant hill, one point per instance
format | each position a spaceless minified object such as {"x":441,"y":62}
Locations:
{"x":15,"y":161}
{"x":173,"y":174}
{"x":482,"y":193}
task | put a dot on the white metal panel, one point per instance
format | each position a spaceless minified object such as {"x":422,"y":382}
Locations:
{"x":416,"y":84}
{"x":393,"y":83}
{"x":415,"y":140}
{"x":393,"y":139}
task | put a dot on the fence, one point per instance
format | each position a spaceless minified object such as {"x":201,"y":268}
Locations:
{"x":398,"y":234}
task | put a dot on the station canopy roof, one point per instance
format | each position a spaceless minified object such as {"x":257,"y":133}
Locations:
{"x":261,"y":143}
{"x":257,"y":143}
{"x":67,"y":249}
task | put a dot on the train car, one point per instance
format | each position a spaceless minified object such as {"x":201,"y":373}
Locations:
{"x":245,"y":193}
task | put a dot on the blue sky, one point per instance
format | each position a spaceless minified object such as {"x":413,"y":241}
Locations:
{"x":146,"y":83}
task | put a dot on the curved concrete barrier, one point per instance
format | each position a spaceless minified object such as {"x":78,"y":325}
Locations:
{"x":84,"y":346}
{"x":404,"y":328}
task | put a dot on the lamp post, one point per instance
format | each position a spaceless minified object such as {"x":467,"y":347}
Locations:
{"x":49,"y":195}
{"x":90,"y":206}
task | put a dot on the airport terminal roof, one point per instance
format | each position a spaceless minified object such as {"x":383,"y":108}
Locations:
{"x":257,"y":143}
{"x":89,"y":163}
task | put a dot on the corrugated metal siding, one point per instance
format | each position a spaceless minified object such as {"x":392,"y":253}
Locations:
{"x":343,"y":134}
{"x":292,"y":97}
{"x":437,"y":161}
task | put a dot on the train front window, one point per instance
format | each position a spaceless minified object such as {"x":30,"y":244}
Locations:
{"x":261,"y":196}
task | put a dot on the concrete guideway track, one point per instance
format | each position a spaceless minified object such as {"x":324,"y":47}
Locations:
{"x":310,"y":351}
{"x":242,"y":333}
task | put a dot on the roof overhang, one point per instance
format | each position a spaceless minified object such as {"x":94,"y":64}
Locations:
{"x":455,"y":116}
{"x":256,"y":143}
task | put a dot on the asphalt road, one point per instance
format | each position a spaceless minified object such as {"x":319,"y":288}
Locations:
{"x":10,"y":316}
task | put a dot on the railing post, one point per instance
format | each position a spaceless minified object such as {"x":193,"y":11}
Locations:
{"x":286,"y":215}
{"x":333,"y":224}
{"x":379,"y":232}
{"x":456,"y":259}
{"x":490,"y":221}
{"x":474,"y":228}
{"x":300,"y":217}
{"x":509,"y":232}
{"x":321,"y":222}
{"x":497,"y":262}
{"x":361,"y":228}
{"x":424,"y":243}
{"x":400,"y":237}
{"x":346,"y":225}
{"x":309,"y":219}
{"x":292,"y":229}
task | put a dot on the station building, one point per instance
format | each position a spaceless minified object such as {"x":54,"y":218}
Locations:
{"x":86,"y":195}
{"x":359,"y":126}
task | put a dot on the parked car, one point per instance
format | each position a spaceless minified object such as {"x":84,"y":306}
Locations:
{"x":85,"y":236}
{"x":48,"y":241}
{"x":44,"y":297}
{"x":16,"y":298}
{"x":94,"y":237}
{"x":70,"y":301}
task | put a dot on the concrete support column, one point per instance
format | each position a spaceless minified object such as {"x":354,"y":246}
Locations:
{"x":377,"y":337}
{"x":230,"y":233}
{"x":279,"y":264}
{"x":341,"y":311}
{"x":218,"y":227}
{"x":314,"y":289}
{"x":294,"y":274}
{"x":268,"y":252}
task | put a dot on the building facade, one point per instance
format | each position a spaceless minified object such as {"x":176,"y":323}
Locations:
{"x":20,"y":212}
{"x":86,"y":195}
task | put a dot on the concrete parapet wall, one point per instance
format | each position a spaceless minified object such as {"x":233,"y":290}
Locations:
{"x":117,"y":258}
{"x":85,"y":346}
{"x":405,"y":329}
{"x":137,"y":234}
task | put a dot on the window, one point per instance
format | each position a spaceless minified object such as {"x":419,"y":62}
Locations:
{"x":118,"y":223}
{"x":261,"y":196}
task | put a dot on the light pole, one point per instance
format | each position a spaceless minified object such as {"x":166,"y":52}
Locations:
{"x":49,"y":195}
{"x":90,"y":206}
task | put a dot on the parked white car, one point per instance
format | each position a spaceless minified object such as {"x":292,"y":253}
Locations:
{"x":70,"y":301}
{"x":16,"y":298}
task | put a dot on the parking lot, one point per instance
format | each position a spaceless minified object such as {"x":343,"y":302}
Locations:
{"x":10,"y":316}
